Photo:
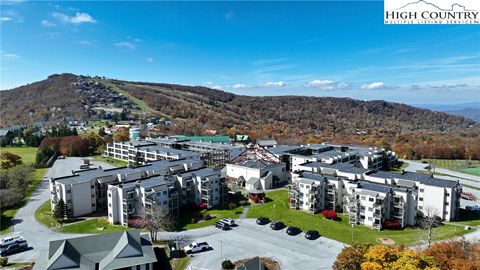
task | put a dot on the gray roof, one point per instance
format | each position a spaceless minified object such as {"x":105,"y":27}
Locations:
{"x":418,"y":177}
{"x":4,"y":131}
{"x":109,"y":251}
{"x":344,"y":167}
{"x":313,"y":176}
{"x":266,"y":142}
{"x":212,"y":145}
{"x":374,"y":187}
{"x":257,"y":164}
{"x":332,"y":154}
{"x":168,"y":150}
{"x":320,"y":147}
{"x":252,"y":181}
{"x":253,"y":264}
{"x":280,"y":149}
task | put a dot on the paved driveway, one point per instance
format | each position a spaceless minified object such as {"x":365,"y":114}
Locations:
{"x":249,"y":240}
{"x":36,"y":234}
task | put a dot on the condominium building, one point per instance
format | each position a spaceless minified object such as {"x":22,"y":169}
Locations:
{"x":167,"y":192}
{"x":146,"y":151}
{"x":213,"y":154}
{"x":372,"y":197}
{"x":129,"y":250}
{"x":85,"y":192}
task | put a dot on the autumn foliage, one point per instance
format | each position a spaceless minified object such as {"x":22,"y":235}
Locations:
{"x":69,"y":145}
{"x":454,"y":254}
{"x":330,"y":214}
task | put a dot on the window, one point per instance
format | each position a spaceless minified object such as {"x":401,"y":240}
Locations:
{"x":369,"y":218}
{"x":110,"y":215}
{"x":69,"y":191}
{"x":93,"y":204}
{"x":420,"y":199}
{"x":93,"y":195}
{"x":370,"y":209}
{"x":446,"y":203}
{"x":421,"y":190}
{"x":165,"y":192}
{"x":420,"y":207}
{"x":301,"y":185}
{"x":92,"y":186}
{"x":109,"y":205}
{"x":362,"y":217}
{"x":370,"y":199}
{"x":164,"y":202}
{"x":448,"y":194}
{"x":362,"y":207}
{"x":363,"y":198}
{"x":69,"y":201}
{"x":110,"y":195}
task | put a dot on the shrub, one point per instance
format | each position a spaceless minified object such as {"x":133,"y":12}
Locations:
{"x":193,"y":221}
{"x":227,"y":264}
{"x":232,"y":205}
{"x":207,"y":217}
{"x":3,"y":261}
{"x":9,"y":198}
{"x":330,"y":214}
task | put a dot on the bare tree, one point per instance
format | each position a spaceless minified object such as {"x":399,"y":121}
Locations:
{"x":155,"y":220}
{"x":429,"y":220}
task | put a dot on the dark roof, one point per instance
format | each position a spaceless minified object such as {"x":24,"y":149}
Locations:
{"x":108,"y":251}
{"x":256,"y":164}
{"x":418,"y":177}
{"x":253,"y":264}
{"x":279,"y":149}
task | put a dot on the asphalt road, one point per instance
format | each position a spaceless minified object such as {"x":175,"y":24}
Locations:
{"x":36,"y":234}
{"x":249,"y":240}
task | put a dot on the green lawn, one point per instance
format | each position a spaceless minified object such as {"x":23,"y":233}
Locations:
{"x":44,"y":215}
{"x":27,"y":154}
{"x":112,"y":161}
{"x":90,"y":226}
{"x":186,"y":217}
{"x":461,"y":165}
{"x":399,"y":169}
{"x":277,"y":209}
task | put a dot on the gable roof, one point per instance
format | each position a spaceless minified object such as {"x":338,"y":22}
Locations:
{"x":106,"y":251}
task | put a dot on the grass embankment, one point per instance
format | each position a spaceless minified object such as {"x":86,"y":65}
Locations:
{"x":112,"y":161}
{"x":28,"y":155}
{"x":90,"y":226}
{"x":185,"y":218}
{"x":465,"y":166}
{"x":399,"y":169}
{"x":277,"y":208}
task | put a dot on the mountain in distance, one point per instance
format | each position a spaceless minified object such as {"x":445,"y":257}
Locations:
{"x":469,"y":110}
{"x":193,"y":109}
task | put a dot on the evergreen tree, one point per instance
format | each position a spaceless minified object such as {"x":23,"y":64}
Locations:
{"x":59,"y":211}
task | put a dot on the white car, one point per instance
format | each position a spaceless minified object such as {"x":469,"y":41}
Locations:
{"x":228,"y":221}
{"x":196,"y":247}
{"x":10,"y":239}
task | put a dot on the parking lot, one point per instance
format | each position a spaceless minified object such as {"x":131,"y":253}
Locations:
{"x":249,"y":239}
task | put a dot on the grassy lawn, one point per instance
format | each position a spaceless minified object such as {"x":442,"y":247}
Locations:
{"x":468,"y":218}
{"x":399,"y":169}
{"x":184,"y":222}
{"x":179,"y":263}
{"x":27,"y":154}
{"x":90,"y":226}
{"x":28,"y":157}
{"x":461,"y":165}
{"x":341,"y":230}
{"x":44,"y":215}
{"x":112,"y":161}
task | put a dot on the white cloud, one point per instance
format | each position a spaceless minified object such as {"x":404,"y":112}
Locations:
{"x":8,"y":56}
{"x":47,"y":23}
{"x":85,"y":42}
{"x":343,"y":85}
{"x":137,"y":40}
{"x":208,"y":83}
{"x":78,"y":18}
{"x":218,"y":87}
{"x":229,"y":15}
{"x":5,"y":19}
{"x":239,"y":86}
{"x":274,"y":84}
{"x":319,"y":83}
{"x":149,"y":59}
{"x":125,"y":44}
{"x":373,"y":85}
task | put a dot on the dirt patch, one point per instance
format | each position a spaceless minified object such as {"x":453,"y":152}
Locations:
{"x":386,"y":241}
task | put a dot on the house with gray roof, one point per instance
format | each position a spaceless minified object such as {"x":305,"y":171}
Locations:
{"x":121,"y":250}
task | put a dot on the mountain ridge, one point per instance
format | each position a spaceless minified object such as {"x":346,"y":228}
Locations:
{"x":196,"y":108}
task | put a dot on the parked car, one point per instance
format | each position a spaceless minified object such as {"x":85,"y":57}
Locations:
{"x":221,"y":225}
{"x":293,"y":230}
{"x":13,"y":248}
{"x":277,"y":225}
{"x":228,"y":221}
{"x":196,"y":247}
{"x":312,"y":234}
{"x":474,"y":208}
{"x":262,"y":220}
{"x":10,"y":239}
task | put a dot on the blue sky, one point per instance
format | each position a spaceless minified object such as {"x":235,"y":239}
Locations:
{"x":253,"y":48}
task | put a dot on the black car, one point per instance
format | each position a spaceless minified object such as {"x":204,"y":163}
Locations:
{"x":262,"y":220}
{"x":293,"y":231}
{"x":277,"y":225}
{"x":312,"y":235}
{"x":222,"y":225}
{"x":13,"y":248}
